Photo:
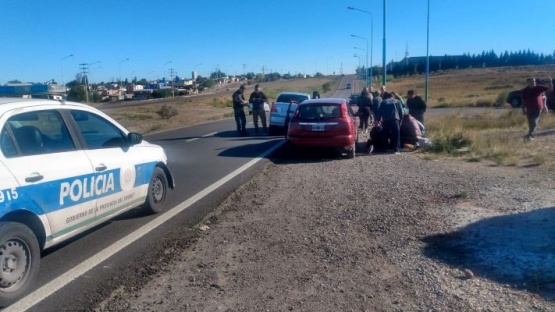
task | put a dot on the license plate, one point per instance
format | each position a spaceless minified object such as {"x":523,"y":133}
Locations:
{"x":318,"y":128}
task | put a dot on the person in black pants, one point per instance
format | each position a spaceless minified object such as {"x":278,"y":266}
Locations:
{"x":416,"y":106}
{"x":364,"y":108}
{"x":390,"y":113}
{"x":238,"y":110}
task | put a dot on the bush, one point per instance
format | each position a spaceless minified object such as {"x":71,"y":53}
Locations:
{"x":501,"y":97}
{"x":326,"y":87}
{"x":167,"y":112}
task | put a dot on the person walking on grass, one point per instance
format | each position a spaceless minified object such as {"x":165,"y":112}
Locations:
{"x":258,"y":98}
{"x":239,"y":111}
{"x":532,"y":104}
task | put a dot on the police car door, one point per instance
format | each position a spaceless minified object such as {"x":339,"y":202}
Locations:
{"x":55,"y":179}
{"x":113,"y":159}
{"x":8,"y":190}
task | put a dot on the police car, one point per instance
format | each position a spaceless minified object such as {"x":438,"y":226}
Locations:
{"x":64,"y":168}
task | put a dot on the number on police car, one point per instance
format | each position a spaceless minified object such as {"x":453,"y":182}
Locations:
{"x":7,"y":195}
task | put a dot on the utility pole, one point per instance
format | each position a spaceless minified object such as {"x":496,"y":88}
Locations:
{"x":172,"y":72}
{"x":85,"y":72}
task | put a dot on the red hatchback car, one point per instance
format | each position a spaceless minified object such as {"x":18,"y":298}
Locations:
{"x":327,"y":122}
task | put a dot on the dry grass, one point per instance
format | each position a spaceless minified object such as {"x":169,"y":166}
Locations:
{"x":470,"y":87}
{"x":140,"y":116}
{"x":495,"y":138}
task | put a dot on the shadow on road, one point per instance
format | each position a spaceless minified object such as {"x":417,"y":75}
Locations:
{"x":517,"y":250}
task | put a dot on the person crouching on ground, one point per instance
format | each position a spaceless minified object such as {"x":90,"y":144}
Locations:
{"x":239,"y":111}
{"x":258,"y":98}
{"x":532,"y":104}
{"x":411,"y":132}
{"x":390,"y":113}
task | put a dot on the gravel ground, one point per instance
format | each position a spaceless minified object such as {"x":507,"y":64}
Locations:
{"x":374,"y":233}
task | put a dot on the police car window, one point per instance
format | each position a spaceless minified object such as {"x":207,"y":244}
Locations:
{"x":39,"y":132}
{"x":97,"y":131}
{"x":6,"y":143}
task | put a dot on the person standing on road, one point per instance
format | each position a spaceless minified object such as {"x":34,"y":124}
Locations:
{"x":364,"y":108}
{"x":239,"y":111}
{"x":390,"y":113}
{"x":532,"y":104}
{"x":416,"y":106}
{"x":258,"y":98}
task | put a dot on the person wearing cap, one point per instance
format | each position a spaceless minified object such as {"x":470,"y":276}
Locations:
{"x":258,"y":98}
{"x":239,"y":111}
{"x":532,"y":104}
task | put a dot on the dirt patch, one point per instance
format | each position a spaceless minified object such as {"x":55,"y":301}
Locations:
{"x":375,"y":233}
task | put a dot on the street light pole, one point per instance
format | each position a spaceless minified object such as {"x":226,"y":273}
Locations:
{"x":371,"y":43}
{"x":127,"y":59}
{"x":427,"y":51}
{"x":356,"y":55}
{"x":195,"y":70}
{"x":384,"y":78}
{"x":62,"y":71}
{"x":366,"y":70}
{"x":165,"y":71}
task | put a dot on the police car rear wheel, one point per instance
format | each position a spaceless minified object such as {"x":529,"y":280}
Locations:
{"x":157,"y":191}
{"x":19,"y":256}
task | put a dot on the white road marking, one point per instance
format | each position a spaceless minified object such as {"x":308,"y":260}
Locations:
{"x":203,"y":136}
{"x":42,"y":293}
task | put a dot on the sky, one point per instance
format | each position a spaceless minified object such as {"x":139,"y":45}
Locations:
{"x":49,"y":39}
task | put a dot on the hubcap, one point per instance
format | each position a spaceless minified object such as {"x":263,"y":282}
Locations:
{"x":15,"y":260}
{"x":158,"y":191}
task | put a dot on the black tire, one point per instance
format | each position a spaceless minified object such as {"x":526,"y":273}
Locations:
{"x":351,"y":153}
{"x":157,"y":192}
{"x":515,"y":103}
{"x":20,"y":254}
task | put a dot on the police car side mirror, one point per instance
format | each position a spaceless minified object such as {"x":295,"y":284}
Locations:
{"x":134,"y":138}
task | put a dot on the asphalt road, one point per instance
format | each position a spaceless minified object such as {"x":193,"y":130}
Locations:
{"x":208,"y":161}
{"x":199,"y":156}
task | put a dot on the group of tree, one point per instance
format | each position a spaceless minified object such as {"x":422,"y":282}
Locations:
{"x":417,"y":65}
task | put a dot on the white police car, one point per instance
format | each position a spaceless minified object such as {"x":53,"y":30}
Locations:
{"x":64,"y":168}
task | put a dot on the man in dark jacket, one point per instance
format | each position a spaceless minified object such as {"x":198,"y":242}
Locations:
{"x":364,"y":108}
{"x":390,"y":113}
{"x":238,"y":110}
{"x":376,"y":101}
{"x":416,"y":106}
{"x":532,"y":104}
{"x":258,"y":98}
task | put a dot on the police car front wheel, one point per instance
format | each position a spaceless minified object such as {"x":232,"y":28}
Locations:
{"x":157,"y":192}
{"x":20,"y":258}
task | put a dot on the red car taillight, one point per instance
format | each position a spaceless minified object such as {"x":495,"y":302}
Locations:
{"x":344,"y":112}
{"x":274,"y":108}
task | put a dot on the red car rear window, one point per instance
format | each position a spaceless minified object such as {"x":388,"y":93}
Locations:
{"x":319,"y":111}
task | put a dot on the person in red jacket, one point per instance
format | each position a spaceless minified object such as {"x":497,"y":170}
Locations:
{"x":532,"y":104}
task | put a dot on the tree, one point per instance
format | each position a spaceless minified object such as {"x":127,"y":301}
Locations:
{"x":77,"y":93}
